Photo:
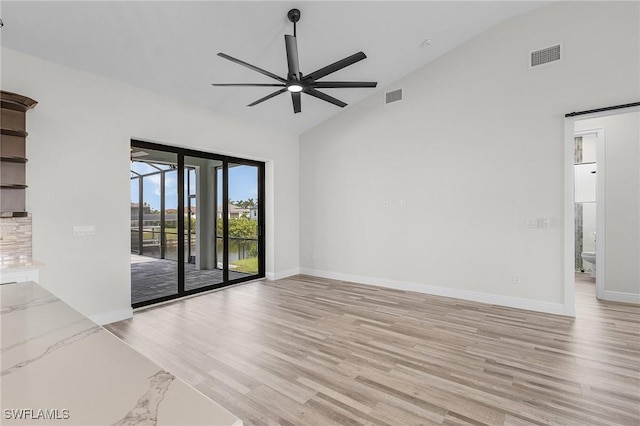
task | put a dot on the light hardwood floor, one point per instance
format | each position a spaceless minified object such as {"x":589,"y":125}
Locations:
{"x":310,"y":351}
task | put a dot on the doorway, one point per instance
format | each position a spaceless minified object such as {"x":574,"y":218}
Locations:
{"x":197,"y":222}
{"x":589,"y":196}
{"x":616,"y":131}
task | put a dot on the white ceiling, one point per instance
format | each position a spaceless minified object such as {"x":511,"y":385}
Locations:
{"x":170,"y":47}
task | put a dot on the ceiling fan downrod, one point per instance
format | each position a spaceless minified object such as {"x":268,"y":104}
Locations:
{"x":294,"y":16}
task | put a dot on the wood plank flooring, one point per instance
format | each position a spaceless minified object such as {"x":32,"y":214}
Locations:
{"x":310,"y":351}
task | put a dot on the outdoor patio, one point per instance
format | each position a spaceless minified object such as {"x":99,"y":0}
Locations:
{"x":152,"y":278}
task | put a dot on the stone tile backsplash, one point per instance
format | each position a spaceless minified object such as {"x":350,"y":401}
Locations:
{"x":15,"y":238}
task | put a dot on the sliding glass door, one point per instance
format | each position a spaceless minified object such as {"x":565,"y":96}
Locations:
{"x":201,"y":268}
{"x":197,"y":222}
{"x":243,"y":215}
{"x":154,"y":237}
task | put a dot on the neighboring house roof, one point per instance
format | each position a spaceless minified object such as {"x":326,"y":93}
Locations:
{"x":233,"y":209}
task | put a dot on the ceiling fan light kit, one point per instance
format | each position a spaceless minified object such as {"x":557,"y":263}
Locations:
{"x":297,"y":83}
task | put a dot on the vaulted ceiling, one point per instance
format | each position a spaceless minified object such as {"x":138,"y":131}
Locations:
{"x":170,"y":47}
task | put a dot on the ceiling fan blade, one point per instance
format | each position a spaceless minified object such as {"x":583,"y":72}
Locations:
{"x":252,"y":67}
{"x":249,"y":84}
{"x":276,"y":93}
{"x":336,"y":66}
{"x":291,"y":44}
{"x":343,"y":84}
{"x":317,"y":94}
{"x":295,"y":97}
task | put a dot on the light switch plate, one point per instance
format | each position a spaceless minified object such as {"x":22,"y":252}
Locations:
{"x":82,"y":230}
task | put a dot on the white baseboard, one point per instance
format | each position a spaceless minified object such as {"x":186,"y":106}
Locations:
{"x":271,"y":276}
{"x":493,"y":299}
{"x":112,"y":316}
{"x":618,"y":296}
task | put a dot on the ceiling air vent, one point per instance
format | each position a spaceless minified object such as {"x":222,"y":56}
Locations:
{"x":546,"y":55}
{"x":393,"y":96}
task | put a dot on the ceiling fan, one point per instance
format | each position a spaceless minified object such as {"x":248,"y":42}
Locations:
{"x":298,"y":83}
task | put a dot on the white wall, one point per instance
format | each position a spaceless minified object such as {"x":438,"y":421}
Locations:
{"x":475,"y":148}
{"x":622,"y":202}
{"x":78,"y":174}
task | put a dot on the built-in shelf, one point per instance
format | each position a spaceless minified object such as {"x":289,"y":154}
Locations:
{"x":14,"y":132}
{"x":14,"y":214}
{"x":13,"y":160}
{"x":16,"y":102}
{"x":12,"y":186}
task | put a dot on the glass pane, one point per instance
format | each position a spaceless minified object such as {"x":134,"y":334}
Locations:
{"x":154,"y":270}
{"x":192,"y":178}
{"x":219,"y":223}
{"x":171,"y":215}
{"x":243,"y":221}
{"x":190,"y":229}
{"x":151,"y":215}
{"x":142,"y":168}
{"x":135,"y":215}
{"x":201,"y":266}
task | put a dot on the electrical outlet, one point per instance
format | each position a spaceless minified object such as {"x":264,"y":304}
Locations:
{"x":531,"y":223}
{"x":517,"y":278}
{"x":403,"y":203}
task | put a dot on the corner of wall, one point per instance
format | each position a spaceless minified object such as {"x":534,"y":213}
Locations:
{"x":112,"y":316}
{"x":273,"y":276}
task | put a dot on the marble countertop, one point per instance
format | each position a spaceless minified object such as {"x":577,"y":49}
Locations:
{"x":58,"y":367}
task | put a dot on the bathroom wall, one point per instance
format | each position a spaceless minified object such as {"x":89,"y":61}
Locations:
{"x":622,"y":202}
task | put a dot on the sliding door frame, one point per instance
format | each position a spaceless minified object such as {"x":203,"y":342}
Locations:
{"x":226,"y":160}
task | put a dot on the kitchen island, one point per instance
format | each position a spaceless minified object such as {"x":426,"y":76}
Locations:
{"x":60,"y":368}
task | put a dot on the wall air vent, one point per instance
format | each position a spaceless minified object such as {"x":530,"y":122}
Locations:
{"x":393,"y":96}
{"x":546,"y":55}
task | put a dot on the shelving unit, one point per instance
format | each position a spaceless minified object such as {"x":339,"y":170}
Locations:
{"x":13,"y":159}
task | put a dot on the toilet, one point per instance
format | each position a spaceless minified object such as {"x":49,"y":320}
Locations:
{"x":590,"y":257}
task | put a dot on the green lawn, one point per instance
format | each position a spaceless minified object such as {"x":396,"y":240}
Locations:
{"x":170,"y":233}
{"x":248,"y":266}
